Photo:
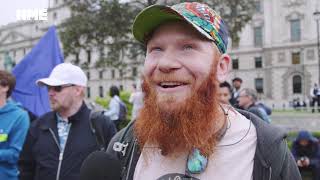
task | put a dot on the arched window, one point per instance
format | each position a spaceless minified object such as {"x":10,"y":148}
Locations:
{"x":297,"y":84}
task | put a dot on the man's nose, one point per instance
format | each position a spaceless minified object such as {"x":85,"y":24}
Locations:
{"x":168,"y":62}
{"x":51,"y":92}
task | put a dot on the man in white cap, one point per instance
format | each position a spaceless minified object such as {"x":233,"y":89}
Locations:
{"x":59,"y":141}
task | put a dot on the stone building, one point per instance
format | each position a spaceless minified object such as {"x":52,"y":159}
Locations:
{"x":277,"y":53}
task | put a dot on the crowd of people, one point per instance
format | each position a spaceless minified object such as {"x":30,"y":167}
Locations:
{"x":243,"y":98}
{"x":187,"y":121}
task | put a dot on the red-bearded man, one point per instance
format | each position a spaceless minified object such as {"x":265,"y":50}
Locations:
{"x":182,"y":132}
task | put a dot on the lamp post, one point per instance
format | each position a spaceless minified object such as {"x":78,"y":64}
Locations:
{"x":316,"y":15}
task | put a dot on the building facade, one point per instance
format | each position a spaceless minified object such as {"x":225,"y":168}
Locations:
{"x":277,"y":53}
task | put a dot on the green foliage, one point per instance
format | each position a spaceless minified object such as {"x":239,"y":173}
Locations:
{"x":124,"y":96}
{"x":104,"y":102}
{"x":105,"y":26}
{"x":316,"y":134}
{"x":289,"y":144}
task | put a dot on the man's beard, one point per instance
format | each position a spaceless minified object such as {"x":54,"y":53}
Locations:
{"x":193,"y":123}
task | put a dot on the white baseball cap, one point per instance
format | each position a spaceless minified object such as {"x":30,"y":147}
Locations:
{"x":63,"y":74}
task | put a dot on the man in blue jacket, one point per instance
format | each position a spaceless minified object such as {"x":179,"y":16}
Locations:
{"x":14,"y":124}
{"x":305,"y":150}
{"x":59,"y":141}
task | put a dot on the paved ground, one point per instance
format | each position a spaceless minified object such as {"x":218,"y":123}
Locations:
{"x":294,"y":121}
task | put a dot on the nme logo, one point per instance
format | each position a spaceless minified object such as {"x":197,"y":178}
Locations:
{"x":32,"y":14}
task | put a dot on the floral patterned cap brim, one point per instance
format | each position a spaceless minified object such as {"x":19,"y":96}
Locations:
{"x":204,"y":19}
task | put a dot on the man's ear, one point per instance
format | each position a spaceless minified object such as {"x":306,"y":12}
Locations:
{"x":223,"y":67}
{"x":79,"y":90}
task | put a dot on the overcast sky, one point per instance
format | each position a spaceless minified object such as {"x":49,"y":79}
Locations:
{"x":8,"y":8}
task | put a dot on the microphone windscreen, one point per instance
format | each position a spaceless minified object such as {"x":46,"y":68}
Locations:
{"x":100,"y":166}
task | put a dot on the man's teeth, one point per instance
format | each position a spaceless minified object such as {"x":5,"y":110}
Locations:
{"x":170,"y":84}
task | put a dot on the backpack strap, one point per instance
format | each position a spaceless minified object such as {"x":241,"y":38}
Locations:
{"x":96,"y":122}
{"x":128,"y":151}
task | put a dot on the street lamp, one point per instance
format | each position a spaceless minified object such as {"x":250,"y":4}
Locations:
{"x":317,"y":18}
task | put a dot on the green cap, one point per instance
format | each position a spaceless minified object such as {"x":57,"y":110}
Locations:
{"x":205,"y":20}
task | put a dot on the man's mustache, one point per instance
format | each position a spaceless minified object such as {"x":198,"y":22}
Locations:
{"x":171,"y":77}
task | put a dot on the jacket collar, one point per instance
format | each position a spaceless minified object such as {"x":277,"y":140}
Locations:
{"x":267,"y":136}
{"x":50,"y":120}
{"x":80,"y":114}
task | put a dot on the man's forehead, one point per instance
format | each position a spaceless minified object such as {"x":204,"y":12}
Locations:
{"x":185,"y":30}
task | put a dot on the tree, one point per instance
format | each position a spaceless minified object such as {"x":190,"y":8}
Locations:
{"x":105,"y":25}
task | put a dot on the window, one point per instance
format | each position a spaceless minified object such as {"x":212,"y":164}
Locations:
{"x":88,"y":92}
{"x":295,"y":58}
{"x":281,"y":57}
{"x":257,"y":6}
{"x":13,"y":36}
{"x":235,"y":63}
{"x":88,"y":56}
{"x":55,"y":15}
{"x":297,"y":85}
{"x":100,"y":74}
{"x":134,"y":72}
{"x":258,"y":62}
{"x":112,"y":74}
{"x":310,"y":54}
{"x":88,"y":75}
{"x":295,"y":30}
{"x":258,"y":36}
{"x":121,"y":73}
{"x":77,"y":60}
{"x":258,"y":82}
{"x":101,"y":91}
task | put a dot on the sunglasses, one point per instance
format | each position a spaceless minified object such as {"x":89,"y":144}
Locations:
{"x":59,"y":88}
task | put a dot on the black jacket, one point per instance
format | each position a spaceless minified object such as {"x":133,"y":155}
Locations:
{"x":39,"y":159}
{"x":272,"y":161}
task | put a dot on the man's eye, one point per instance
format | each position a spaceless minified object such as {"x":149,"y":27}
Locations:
{"x":187,"y":47}
{"x":155,"y":49}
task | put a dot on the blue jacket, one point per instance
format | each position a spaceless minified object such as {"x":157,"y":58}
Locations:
{"x":260,"y":112}
{"x":41,"y":158}
{"x":14,"y":124}
{"x":311,"y":151}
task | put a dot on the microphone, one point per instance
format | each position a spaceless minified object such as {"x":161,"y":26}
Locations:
{"x":100,"y":165}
